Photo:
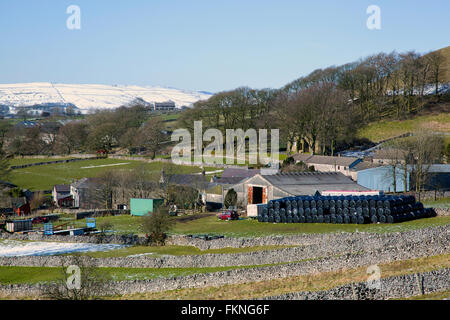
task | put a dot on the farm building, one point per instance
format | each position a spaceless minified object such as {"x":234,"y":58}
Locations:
{"x":84,"y":193}
{"x":19,"y":225}
{"x":327,"y":163}
{"x":141,"y":207}
{"x":438,"y":177}
{"x":360,"y":166}
{"x":387,"y":155}
{"x":164,"y":106}
{"x":259,"y":189}
{"x":232,"y":176}
{"x":61,"y":196}
{"x":20,"y":206}
{"x":382,"y":178}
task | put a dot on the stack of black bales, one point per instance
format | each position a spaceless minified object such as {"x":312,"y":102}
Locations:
{"x":343,"y":209}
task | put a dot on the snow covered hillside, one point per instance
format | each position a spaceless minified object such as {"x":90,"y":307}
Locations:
{"x":91,"y":96}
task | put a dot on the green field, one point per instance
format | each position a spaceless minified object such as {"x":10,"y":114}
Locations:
{"x":15,"y":275}
{"x":439,"y":203}
{"x":253,"y":228}
{"x":210,"y":224}
{"x":46,"y":176}
{"x":385,"y":129}
{"x":175,"y":250}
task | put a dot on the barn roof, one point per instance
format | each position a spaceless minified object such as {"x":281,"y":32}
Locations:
{"x":239,"y":173}
{"x":62,"y":188}
{"x":314,"y":159}
{"x":307,"y":183}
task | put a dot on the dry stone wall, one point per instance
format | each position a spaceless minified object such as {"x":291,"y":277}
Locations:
{"x":393,"y":287}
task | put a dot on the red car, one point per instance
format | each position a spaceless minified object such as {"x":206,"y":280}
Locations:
{"x":229,"y":215}
{"x":38,"y":220}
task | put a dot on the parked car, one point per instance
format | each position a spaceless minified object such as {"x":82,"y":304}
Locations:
{"x":39,"y":220}
{"x":229,"y":215}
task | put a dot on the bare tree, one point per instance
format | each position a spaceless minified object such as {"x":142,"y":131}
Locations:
{"x":151,"y":136}
{"x":93,"y":283}
{"x":437,"y":68}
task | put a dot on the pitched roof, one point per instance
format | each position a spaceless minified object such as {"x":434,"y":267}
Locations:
{"x":307,"y":183}
{"x":228,"y":180}
{"x":314,"y":159}
{"x":62,"y":188}
{"x":193,"y":180}
{"x":363,"y":165}
{"x":301,"y":157}
{"x":389,"y":153}
{"x":239,"y":173}
{"x":18,"y":202}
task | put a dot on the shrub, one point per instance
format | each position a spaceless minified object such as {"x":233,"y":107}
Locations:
{"x":156,"y":225}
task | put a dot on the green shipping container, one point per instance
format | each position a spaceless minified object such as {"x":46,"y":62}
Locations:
{"x":140,"y":207}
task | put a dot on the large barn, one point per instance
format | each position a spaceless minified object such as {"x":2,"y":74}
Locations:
{"x":260,"y":189}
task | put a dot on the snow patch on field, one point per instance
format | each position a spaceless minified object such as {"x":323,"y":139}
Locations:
{"x":12,"y":248}
{"x":93,"y":96}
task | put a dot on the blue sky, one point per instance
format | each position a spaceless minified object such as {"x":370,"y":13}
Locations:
{"x":205,"y":44}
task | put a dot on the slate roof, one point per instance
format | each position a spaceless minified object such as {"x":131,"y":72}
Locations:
{"x":192,"y":180}
{"x":235,"y":175}
{"x":62,"y":188}
{"x":314,"y":159}
{"x":390,"y":153}
{"x":239,"y":173}
{"x":363,"y":165}
{"x":18,"y":202}
{"x":307,"y":183}
{"x":230,"y":180}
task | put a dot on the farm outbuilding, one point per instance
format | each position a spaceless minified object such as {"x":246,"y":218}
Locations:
{"x":141,"y":207}
{"x":382,"y":178}
{"x":19,"y":225}
{"x":260,"y":188}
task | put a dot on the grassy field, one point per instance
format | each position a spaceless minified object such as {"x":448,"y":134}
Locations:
{"x":314,"y":282}
{"x":46,"y":176}
{"x":439,"y":203}
{"x":431,"y":296}
{"x":385,"y":129}
{"x":175,"y":250}
{"x":210,"y":224}
{"x":253,"y":228}
{"x":15,"y":275}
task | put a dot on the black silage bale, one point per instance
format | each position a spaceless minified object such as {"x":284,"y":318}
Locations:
{"x":346,"y":219}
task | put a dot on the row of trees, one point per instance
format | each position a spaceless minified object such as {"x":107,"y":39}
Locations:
{"x":412,"y":157}
{"x":322,"y":111}
{"x":131,"y":128}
